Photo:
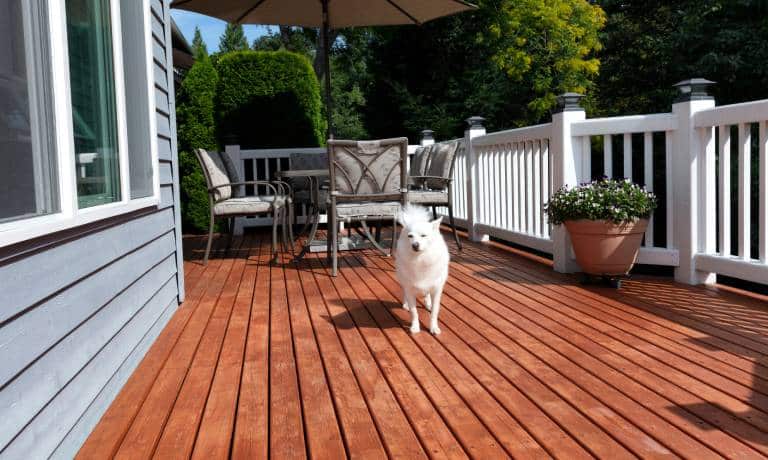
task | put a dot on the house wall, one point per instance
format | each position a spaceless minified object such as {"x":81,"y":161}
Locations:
{"x":80,"y":308}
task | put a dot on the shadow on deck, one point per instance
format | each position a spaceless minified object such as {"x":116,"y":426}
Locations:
{"x":286,"y":361}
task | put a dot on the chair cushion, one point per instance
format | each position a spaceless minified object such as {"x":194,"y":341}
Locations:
{"x":216,"y":173}
{"x":246,"y":205}
{"x":429,"y":197}
{"x":419,"y":161}
{"x":367,"y":209}
{"x":441,"y":162}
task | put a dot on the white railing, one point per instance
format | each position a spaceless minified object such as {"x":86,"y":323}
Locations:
{"x":719,"y":253}
{"x":514,"y":167}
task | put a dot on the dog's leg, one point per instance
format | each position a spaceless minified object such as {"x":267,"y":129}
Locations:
{"x":406,"y":305}
{"x":428,"y":302}
{"x":436,"y":294}
{"x":410,"y":299}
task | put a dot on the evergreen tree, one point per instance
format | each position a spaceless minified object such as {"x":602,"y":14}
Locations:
{"x":233,"y":39}
{"x":199,"y":49}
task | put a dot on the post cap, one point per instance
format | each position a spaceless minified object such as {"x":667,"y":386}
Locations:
{"x":427,"y":134}
{"x":694,"y":89}
{"x":475,"y":122}
{"x":569,"y":102}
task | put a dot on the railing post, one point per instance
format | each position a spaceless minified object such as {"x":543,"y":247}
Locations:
{"x":688,"y":178}
{"x":233,"y":150}
{"x":475,"y":128}
{"x":427,"y":137}
{"x":565,"y":172}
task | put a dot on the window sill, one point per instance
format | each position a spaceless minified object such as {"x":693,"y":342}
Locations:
{"x":27,"y":229}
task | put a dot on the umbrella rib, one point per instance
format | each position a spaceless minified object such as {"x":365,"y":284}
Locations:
{"x":249,"y":10}
{"x":405,"y":13}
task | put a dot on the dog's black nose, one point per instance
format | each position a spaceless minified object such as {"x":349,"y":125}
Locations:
{"x":415,"y":246}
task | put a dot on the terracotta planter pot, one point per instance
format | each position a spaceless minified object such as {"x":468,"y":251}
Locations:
{"x":606,"y":248}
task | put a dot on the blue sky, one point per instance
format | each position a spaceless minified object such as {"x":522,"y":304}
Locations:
{"x":211,"y":28}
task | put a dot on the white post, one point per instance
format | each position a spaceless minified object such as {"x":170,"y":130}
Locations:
{"x":475,"y":128}
{"x":565,"y":171}
{"x":690,"y":181}
{"x":234,"y":154}
{"x":427,"y":137}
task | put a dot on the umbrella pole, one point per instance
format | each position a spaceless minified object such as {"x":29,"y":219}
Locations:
{"x":327,"y":64}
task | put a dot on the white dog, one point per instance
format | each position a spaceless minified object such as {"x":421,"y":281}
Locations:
{"x":422,"y":263}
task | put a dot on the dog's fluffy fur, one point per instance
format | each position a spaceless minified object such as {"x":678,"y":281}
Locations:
{"x":422,"y":263}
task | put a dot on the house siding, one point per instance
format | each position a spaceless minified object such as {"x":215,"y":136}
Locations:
{"x":79,"y":309}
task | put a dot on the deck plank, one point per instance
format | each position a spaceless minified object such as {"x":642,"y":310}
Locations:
{"x":282,"y":361}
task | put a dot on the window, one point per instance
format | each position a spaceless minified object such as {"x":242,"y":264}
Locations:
{"x":77,"y":132}
{"x":94,"y":112}
{"x":27,"y":176}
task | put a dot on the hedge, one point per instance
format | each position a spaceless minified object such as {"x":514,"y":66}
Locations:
{"x":196,"y":129}
{"x":269,"y":99}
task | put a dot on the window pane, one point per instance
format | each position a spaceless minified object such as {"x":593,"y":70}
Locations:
{"x":89,"y":39}
{"x":27,"y":172}
{"x":136,"y":98}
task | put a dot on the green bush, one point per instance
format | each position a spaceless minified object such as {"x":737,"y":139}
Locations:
{"x":196,"y":129}
{"x":269,"y":99}
{"x":605,"y":199}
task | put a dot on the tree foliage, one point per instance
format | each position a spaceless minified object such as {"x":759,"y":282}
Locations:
{"x":233,"y":39}
{"x":199,"y":49}
{"x":196,"y":129}
{"x":269,"y":99}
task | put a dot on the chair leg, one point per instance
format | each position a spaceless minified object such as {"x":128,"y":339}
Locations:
{"x":230,"y":233}
{"x":434,"y":212}
{"x":291,"y":219}
{"x":273,"y":247}
{"x":369,"y":237}
{"x":210,"y":240}
{"x":393,"y":245}
{"x":453,"y":227}
{"x":334,"y":244}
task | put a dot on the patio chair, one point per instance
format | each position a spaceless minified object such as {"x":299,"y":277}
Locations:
{"x":367,"y":183}
{"x":433,"y":186}
{"x":226,"y":199}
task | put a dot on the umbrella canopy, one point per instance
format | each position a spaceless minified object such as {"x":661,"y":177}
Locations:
{"x":326,"y":14}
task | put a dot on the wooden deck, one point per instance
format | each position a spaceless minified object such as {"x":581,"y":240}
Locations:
{"x":282,"y":362}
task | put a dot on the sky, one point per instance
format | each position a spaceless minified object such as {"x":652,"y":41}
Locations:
{"x":211,"y":28}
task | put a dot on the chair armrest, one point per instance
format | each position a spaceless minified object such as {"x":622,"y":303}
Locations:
{"x":422,"y":180}
{"x":251,"y":182}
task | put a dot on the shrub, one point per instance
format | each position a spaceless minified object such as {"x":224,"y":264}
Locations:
{"x":605,"y":199}
{"x":196,"y":129}
{"x":269,"y":99}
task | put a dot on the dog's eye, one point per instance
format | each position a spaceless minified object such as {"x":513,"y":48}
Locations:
{"x":410,"y":235}
{"x":423,"y":236}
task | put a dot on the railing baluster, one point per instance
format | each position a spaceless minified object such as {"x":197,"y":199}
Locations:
{"x":763,"y":206}
{"x":536,"y":187}
{"x":648,"y":172}
{"x":529,"y":187}
{"x":497,"y":174}
{"x":586,"y":159}
{"x":505,"y":185}
{"x":707,"y":188}
{"x":725,"y":190}
{"x":516,"y":186}
{"x":607,"y":156}
{"x":544,"y":185}
{"x":668,"y":186}
{"x":745,"y":144}
{"x":628,"y":156}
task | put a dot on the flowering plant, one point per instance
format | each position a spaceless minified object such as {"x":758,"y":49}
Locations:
{"x":605,"y":199}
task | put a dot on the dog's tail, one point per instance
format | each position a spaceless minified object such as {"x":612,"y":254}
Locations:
{"x":410,"y":214}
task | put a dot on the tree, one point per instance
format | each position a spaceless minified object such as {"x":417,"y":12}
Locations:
{"x":199,"y":49}
{"x":196,"y":129}
{"x":233,"y":39}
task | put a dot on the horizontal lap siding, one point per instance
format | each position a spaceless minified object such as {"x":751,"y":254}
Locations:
{"x":78,"y":315}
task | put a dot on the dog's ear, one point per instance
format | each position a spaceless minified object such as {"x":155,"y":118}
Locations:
{"x":436,"y":223}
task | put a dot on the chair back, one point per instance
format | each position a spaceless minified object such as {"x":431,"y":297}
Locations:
{"x":368,"y":170}
{"x":419,"y":160}
{"x":441,"y":162}
{"x":218,"y":169}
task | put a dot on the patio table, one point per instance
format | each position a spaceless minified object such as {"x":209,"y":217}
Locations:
{"x":312,"y":245}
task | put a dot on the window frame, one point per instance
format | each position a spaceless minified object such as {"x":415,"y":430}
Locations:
{"x":69,"y":215}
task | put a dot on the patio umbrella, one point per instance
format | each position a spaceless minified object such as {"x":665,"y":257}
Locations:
{"x":327,"y":14}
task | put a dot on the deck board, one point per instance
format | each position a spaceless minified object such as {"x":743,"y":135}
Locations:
{"x":286,"y":361}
